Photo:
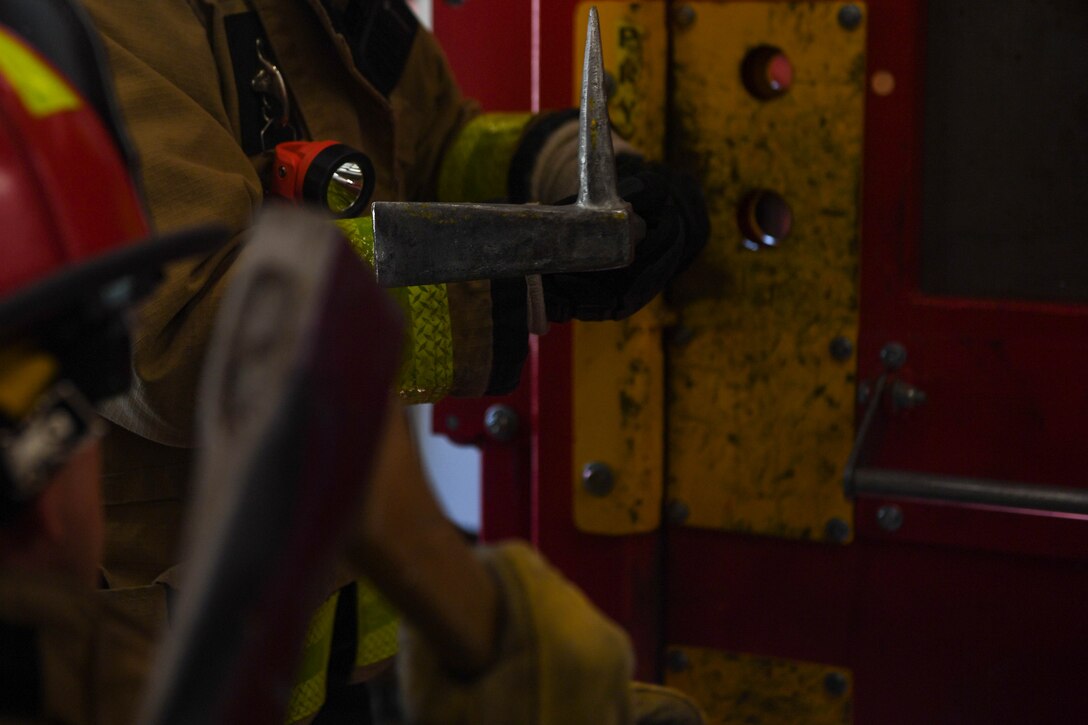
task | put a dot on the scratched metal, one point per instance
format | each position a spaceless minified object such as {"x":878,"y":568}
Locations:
{"x":761,"y":416}
{"x":741,"y":689}
{"x":422,"y":243}
{"x":618,"y":367}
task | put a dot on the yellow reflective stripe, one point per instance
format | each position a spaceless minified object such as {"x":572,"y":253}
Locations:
{"x":378,"y":624}
{"x":308,"y":694}
{"x":426,"y":374}
{"x":41,"y":89}
{"x":475,"y":168}
{"x":24,"y":375}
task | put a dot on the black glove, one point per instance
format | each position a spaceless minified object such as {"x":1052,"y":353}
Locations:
{"x":672,"y":207}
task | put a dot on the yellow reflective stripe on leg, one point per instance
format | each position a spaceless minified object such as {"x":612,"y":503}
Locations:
{"x":378,"y":623}
{"x":308,"y":694}
{"x":426,"y":374}
{"x":476,"y":167}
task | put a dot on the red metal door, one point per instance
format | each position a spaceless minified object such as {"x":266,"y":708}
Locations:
{"x":931,"y":611}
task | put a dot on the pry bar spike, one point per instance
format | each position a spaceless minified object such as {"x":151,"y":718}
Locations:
{"x":596,"y":159}
{"x":430,"y":243}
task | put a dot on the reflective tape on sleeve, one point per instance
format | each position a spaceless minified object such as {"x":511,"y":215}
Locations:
{"x":426,"y":374}
{"x":476,"y":167}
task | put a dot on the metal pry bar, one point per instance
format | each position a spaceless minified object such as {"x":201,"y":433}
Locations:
{"x":596,"y":159}
{"x":431,"y":243}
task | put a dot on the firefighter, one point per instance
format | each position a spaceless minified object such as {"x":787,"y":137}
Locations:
{"x":69,"y":276}
{"x":208,"y":89}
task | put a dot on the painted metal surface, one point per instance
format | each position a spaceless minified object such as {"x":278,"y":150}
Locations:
{"x":489,"y":45}
{"x":1004,"y":377}
{"x":621,"y":574}
{"x":619,"y":367}
{"x":934,"y":630}
{"x":527,"y":482}
{"x":740,"y":689}
{"x":760,"y":422}
{"x":961,"y":615}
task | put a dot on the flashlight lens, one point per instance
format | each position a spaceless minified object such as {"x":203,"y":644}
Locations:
{"x":345,"y":187}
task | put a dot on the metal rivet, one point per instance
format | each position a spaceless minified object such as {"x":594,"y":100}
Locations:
{"x":906,"y":396}
{"x":890,"y":518}
{"x":501,"y":421}
{"x":684,"y":16}
{"x":282,"y":171}
{"x":893,"y":355}
{"x":677,"y":661}
{"x":841,"y":348}
{"x":837,"y":530}
{"x":677,"y":512}
{"x":598,"y":479}
{"x":835,"y":683}
{"x":850,"y":16}
{"x":452,"y":422}
{"x":682,"y":336}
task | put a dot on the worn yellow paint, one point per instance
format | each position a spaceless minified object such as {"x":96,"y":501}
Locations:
{"x":618,"y":378}
{"x":745,"y":689}
{"x":761,"y":417}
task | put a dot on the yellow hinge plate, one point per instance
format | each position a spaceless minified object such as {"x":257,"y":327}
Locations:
{"x":743,"y":689}
{"x":760,"y":421}
{"x":619,"y":367}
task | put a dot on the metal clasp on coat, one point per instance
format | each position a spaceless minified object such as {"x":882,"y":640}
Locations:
{"x":270,"y":85}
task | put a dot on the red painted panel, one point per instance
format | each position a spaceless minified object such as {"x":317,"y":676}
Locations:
{"x":489,"y":45}
{"x":1004,"y":379}
{"x":505,"y":490}
{"x":933,"y":634}
{"x":1008,"y":531}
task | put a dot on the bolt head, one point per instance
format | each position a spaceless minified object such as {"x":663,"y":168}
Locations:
{"x":893,"y":355}
{"x":598,"y":479}
{"x":677,"y":512}
{"x":906,"y":396}
{"x":452,"y":422}
{"x":837,"y":530}
{"x":677,"y":661}
{"x":684,"y":16}
{"x":835,"y":683}
{"x":890,"y":518}
{"x":850,"y":16}
{"x":841,"y":348}
{"x":681,"y":336}
{"x":282,"y":171}
{"x":501,"y":422}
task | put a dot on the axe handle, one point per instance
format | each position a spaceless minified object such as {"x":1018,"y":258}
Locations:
{"x":408,"y":547}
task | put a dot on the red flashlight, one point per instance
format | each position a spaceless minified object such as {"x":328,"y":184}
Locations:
{"x":335,"y":177}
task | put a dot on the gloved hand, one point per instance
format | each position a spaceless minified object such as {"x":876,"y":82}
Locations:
{"x":559,"y":660}
{"x":677,"y":226}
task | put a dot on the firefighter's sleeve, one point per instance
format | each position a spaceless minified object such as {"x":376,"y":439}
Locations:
{"x":560,"y":660}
